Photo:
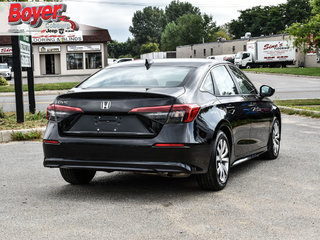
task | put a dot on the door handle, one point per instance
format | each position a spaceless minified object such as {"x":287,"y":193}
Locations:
{"x":252,"y":106}
{"x":231,"y":109}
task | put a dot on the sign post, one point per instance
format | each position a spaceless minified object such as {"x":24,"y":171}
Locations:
{"x":22,"y":57}
{"x":17,"y":78}
{"x":27,"y":61}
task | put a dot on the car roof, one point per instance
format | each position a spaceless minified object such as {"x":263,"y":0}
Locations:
{"x":186,"y":62}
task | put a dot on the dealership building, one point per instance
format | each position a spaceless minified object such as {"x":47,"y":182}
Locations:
{"x":65,"y":52}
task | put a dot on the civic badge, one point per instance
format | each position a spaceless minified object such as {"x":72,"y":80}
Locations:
{"x":105,"y":105}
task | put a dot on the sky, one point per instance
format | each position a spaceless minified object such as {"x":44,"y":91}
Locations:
{"x":116,"y":15}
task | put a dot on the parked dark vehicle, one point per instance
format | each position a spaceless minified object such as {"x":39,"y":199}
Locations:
{"x":174,"y":117}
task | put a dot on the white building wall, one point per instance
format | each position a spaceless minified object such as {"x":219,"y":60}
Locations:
{"x":234,"y":46}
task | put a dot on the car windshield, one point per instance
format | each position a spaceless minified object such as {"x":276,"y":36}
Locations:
{"x":239,"y":55}
{"x":3,"y":66}
{"x":123,"y":77}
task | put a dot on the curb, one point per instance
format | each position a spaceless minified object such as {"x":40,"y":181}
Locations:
{"x":6,"y":135}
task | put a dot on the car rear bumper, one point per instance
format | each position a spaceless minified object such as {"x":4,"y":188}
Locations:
{"x":105,"y":156}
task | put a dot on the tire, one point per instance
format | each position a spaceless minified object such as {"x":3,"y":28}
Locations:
{"x":218,"y":172}
{"x":77,"y":176}
{"x":248,"y":67}
{"x":274,"y":142}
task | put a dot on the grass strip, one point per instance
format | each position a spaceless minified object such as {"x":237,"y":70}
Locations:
{"x":303,"y":107}
{"x":20,"y":136}
{"x":9,"y":121}
{"x":298,"y":102}
{"x":294,"y":71}
{"x":301,"y":113}
{"x":42,"y":87}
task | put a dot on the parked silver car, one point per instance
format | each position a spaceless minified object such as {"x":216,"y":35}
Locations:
{"x":5,"y":71}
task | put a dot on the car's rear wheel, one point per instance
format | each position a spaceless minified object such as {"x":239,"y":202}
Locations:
{"x":218,"y":172}
{"x":77,"y":176}
{"x":274,"y":142}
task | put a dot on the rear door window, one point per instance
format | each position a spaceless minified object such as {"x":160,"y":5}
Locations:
{"x":207,"y":85}
{"x":223,"y":82}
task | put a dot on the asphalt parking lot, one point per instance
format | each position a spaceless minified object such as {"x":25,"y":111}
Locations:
{"x":263,"y":199}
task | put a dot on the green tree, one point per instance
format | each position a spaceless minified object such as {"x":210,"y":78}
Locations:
{"x":177,"y":9}
{"x":297,"y":11}
{"x":259,"y":21}
{"x":147,"y":25}
{"x":149,"y":47}
{"x":118,"y":49}
{"x":210,"y":28}
{"x":307,"y":34}
{"x":222,"y":34}
{"x":190,"y":29}
{"x":170,"y":37}
{"x":270,"y":19}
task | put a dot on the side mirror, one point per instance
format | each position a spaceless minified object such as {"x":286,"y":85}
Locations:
{"x":266,"y":91}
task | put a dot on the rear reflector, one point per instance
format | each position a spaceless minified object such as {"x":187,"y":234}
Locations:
{"x":178,"y":113}
{"x":57,"y":112}
{"x":169,"y":145}
{"x":51,"y":141}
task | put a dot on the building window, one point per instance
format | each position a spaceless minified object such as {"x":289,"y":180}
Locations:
{"x":234,"y":49}
{"x":244,"y":47}
{"x":211,"y":51}
{"x":74,"y":61}
{"x":194,"y":52}
{"x":93,"y":60}
{"x":204,"y":52}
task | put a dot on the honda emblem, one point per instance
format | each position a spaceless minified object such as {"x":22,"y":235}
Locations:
{"x":105,"y":105}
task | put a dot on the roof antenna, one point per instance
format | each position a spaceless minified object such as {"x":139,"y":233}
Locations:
{"x":148,"y":63}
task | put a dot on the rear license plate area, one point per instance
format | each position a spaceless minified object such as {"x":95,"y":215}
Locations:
{"x":107,"y":123}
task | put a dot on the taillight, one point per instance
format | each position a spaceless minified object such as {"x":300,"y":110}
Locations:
{"x":177,"y":113}
{"x":183,"y":113}
{"x":58,"y":112}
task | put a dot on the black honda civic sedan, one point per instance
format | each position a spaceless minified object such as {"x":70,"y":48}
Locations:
{"x":169,"y":117}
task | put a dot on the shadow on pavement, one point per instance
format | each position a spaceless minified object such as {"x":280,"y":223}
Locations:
{"x":138,"y":187}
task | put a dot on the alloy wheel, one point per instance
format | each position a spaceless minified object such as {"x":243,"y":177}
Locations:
{"x":222,"y":160}
{"x":276,"y":138}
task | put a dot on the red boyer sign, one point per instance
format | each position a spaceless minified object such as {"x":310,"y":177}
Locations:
{"x":34,"y":16}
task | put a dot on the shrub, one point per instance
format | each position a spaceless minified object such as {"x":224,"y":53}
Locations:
{"x":3,"y":81}
{"x":37,"y":116}
{"x":20,"y":136}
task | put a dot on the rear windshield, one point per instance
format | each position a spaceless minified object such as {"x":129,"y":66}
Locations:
{"x":3,"y":66}
{"x":123,"y":77}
